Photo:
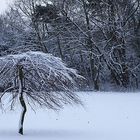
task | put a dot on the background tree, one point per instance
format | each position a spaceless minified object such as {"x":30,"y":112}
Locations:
{"x":98,"y":38}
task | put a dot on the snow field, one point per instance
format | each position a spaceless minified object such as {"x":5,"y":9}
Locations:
{"x":105,"y":116}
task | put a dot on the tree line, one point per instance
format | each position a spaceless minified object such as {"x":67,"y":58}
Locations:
{"x":99,"y":38}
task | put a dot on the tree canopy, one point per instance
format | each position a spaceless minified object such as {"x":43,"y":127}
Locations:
{"x":46,"y":79}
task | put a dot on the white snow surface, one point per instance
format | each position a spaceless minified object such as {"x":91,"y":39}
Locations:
{"x":105,"y":116}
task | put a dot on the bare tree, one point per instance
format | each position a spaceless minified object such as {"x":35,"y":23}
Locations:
{"x":35,"y":78}
{"x":99,"y":38}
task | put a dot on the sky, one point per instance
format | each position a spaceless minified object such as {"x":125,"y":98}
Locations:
{"x":4,"y":5}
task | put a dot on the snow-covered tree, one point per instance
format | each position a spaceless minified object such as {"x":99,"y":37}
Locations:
{"x":36,"y":78}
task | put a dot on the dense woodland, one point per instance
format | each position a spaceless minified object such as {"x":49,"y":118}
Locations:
{"x":99,"y":38}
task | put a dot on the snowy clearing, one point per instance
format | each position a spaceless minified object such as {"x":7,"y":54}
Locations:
{"x":106,"y":116}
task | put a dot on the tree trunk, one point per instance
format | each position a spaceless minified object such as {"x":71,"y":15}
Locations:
{"x":59,"y":47}
{"x":22,"y":114}
{"x":90,"y":45}
{"x":21,"y":98}
{"x":96,"y":79}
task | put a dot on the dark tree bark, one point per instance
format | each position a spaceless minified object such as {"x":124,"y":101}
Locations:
{"x":23,"y":113}
{"x":59,"y":47}
{"x":90,"y":46}
{"x":21,"y":98}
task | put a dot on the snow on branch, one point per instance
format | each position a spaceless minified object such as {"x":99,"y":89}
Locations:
{"x":46,"y":79}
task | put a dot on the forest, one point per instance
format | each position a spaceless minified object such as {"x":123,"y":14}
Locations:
{"x":98,"y":38}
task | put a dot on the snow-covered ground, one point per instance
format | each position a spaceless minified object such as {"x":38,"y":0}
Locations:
{"x":105,"y":116}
